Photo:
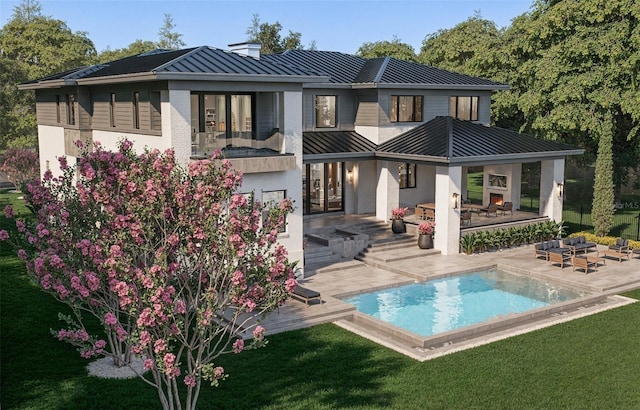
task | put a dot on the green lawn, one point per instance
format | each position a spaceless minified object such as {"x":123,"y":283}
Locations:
{"x":589,"y":363}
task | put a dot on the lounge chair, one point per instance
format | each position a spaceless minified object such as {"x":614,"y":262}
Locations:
{"x":560,"y":258}
{"x":491,"y":209}
{"x":506,"y":207}
{"x":305,"y":295}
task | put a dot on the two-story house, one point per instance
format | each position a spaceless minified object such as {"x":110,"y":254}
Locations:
{"x":335,"y":132}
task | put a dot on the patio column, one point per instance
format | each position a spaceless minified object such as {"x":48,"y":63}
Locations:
{"x":551,"y":188}
{"x":387,"y":190}
{"x":448,"y":183}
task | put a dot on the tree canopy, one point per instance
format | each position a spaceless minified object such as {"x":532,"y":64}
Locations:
{"x":394,"y":48}
{"x":269,"y":37}
{"x":168,"y":38}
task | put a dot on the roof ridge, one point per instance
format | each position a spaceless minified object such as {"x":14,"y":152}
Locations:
{"x":383,"y":66}
{"x":181,"y":56}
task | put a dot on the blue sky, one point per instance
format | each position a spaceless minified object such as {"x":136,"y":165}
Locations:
{"x":335,"y":25}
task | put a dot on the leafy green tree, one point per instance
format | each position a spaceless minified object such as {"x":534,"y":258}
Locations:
{"x":168,"y":38}
{"x":137,"y":47}
{"x":603,"y":198}
{"x":268,"y":35}
{"x":33,"y":46}
{"x":569,"y":65}
{"x":469,"y":48}
{"x":394,"y":48}
{"x":17,"y":111}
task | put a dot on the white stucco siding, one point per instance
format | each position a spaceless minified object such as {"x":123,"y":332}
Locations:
{"x":50,"y":148}
{"x":424,"y":190}
{"x":109,"y":140}
{"x":448,"y":183}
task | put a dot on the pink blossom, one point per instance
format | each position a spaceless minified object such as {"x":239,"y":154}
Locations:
{"x":238,"y":346}
{"x":290,"y":284}
{"x":258,"y":333}
{"x":190,"y":380}
{"x":159,"y":346}
{"x":4,"y":235}
{"x":148,"y":364}
{"x":110,"y":319}
{"x":8,"y":212}
{"x":169,"y":360}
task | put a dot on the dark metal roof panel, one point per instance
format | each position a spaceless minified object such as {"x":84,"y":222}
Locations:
{"x":370,"y":71}
{"x":342,"y":68}
{"x":334,"y":142}
{"x":447,"y":137}
{"x":406,"y":72}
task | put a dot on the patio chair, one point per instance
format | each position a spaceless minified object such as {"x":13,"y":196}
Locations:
{"x":491,"y":209}
{"x":621,"y":245}
{"x":465,"y":218}
{"x":506,"y":207}
{"x":430,"y":214}
{"x":305,"y":295}
{"x":420,"y":213}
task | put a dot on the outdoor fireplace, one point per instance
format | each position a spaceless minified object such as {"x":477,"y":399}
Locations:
{"x":495,"y":198}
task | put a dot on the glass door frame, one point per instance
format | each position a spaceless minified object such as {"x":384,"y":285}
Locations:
{"x":326,"y":185}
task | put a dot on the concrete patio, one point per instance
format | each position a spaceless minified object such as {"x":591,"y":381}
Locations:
{"x":397,"y":267}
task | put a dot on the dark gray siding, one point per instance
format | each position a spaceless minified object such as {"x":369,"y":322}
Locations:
{"x":46,"y":108}
{"x":367,"y":108}
{"x":150,"y":121}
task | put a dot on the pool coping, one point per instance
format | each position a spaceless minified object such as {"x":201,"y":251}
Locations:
{"x":599,"y":303}
{"x":427,"y":347}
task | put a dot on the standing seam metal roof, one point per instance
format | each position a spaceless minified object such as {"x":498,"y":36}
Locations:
{"x":452,"y":138}
{"x":334,"y":142}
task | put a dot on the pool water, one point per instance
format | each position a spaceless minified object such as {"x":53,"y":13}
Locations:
{"x":454,"y":302}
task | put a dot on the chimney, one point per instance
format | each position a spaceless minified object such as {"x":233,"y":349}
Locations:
{"x":247,"y":49}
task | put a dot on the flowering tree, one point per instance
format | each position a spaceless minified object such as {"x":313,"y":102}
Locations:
{"x":177,"y":266}
{"x":21,"y":166}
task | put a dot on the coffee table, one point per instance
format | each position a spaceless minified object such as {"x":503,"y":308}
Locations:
{"x":612,"y":253}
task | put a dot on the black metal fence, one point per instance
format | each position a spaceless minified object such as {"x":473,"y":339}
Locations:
{"x":625,"y":224}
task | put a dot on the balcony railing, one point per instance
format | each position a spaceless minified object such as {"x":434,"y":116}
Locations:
{"x":241,"y":144}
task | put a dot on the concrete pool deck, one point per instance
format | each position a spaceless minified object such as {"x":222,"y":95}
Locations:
{"x":410,"y":265}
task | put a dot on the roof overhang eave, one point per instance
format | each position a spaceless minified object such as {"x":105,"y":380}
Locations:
{"x":411,"y":157}
{"x":47,"y":84}
{"x":338,"y":156}
{"x":511,"y":158}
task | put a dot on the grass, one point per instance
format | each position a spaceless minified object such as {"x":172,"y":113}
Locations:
{"x":589,"y":363}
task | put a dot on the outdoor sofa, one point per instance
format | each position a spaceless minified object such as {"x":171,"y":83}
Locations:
{"x":578,"y":244}
{"x":543,"y":249}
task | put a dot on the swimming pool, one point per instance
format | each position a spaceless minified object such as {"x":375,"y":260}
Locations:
{"x":454,"y":302}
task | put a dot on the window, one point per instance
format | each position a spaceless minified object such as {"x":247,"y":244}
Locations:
{"x":136,"y":110}
{"x":406,"y":108}
{"x":464,"y":108}
{"x":71,"y":109}
{"x":325,"y":111}
{"x":112,"y":109}
{"x":272,"y":199}
{"x":407,"y":175}
{"x":58,"y":108}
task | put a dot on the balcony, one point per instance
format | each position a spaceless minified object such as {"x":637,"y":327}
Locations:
{"x":247,"y":154}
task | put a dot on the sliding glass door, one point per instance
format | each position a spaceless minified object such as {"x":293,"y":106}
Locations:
{"x":322,"y":187}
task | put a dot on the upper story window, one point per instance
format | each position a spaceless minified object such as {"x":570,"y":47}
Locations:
{"x":272,"y":199}
{"x":136,"y":110}
{"x":464,"y":107}
{"x":112,"y":109}
{"x":406,"y":108}
{"x":58,"y":108}
{"x":325,"y":111}
{"x":407,"y":175}
{"x":71,"y":109}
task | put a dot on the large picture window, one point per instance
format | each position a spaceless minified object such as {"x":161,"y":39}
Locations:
{"x":71,"y":109}
{"x":464,"y":107}
{"x":406,"y":108}
{"x":325,"y":111}
{"x":407,"y":175}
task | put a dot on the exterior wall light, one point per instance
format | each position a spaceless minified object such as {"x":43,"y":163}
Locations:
{"x":350,"y":176}
{"x":560,"y":190}
{"x":454,"y":200}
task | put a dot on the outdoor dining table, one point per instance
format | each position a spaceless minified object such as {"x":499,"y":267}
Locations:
{"x":472,"y":207}
{"x":427,"y":205}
